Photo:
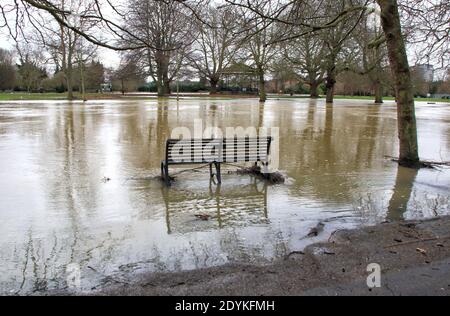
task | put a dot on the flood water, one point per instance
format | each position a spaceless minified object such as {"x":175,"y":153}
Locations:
{"x":58,"y":211}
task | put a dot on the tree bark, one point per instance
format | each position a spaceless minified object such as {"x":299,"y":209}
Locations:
{"x":213,"y":84}
{"x":161,"y":88}
{"x":82,"y":80}
{"x":378,"y":92}
{"x":167,"y":89}
{"x":407,"y":125}
{"x":330,"y":83}
{"x":262,"y":86}
{"x":314,"y":87}
{"x":69,"y":77}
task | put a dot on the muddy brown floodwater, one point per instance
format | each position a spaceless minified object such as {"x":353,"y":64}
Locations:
{"x":59,"y":216}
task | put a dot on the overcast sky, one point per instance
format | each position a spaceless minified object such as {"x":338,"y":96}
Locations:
{"x":108,"y":57}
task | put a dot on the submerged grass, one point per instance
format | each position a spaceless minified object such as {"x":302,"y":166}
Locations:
{"x":18,"y":96}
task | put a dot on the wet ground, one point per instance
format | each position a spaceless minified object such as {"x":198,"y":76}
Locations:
{"x":79,"y":186}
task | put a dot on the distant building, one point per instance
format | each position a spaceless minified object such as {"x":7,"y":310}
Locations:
{"x":425,"y":72}
{"x":239,"y":78}
{"x":106,"y":87}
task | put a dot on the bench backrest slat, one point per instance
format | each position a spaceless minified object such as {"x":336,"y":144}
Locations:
{"x":228,"y":150}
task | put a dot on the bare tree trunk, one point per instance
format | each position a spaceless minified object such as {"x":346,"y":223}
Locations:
{"x":378,"y":92}
{"x":69,"y":71}
{"x":161,"y":88}
{"x":167,"y":90}
{"x":69,"y":76}
{"x":213,"y":84}
{"x":407,"y":125}
{"x":83,"y":88}
{"x":314,"y":87}
{"x":330,"y":83}
{"x":262,"y":86}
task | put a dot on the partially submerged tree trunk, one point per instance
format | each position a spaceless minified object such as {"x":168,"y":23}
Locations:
{"x":314,"y":89}
{"x":214,"y":83}
{"x":167,"y":90}
{"x":330,"y":83}
{"x":378,"y":87}
{"x":407,"y":125}
{"x":262,"y":86}
{"x":161,"y":88}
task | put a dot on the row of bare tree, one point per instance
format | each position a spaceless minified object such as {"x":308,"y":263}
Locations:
{"x":320,"y":38}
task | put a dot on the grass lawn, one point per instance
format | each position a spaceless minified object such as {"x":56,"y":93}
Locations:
{"x":17,"y":96}
{"x":13,"y":96}
{"x":341,"y":97}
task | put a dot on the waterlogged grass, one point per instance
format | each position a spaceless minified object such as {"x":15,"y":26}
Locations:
{"x":17,"y":96}
{"x":31,"y":96}
{"x":340,"y":97}
{"x":369,"y":98}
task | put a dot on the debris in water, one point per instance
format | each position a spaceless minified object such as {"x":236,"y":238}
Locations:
{"x":316,"y":230}
{"x":273,"y":178}
{"x":203,"y":217}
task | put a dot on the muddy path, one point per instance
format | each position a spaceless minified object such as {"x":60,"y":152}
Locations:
{"x":414,"y":257}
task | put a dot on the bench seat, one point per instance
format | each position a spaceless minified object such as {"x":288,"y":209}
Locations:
{"x":215,"y":152}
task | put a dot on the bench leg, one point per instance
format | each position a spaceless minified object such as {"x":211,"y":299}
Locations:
{"x":211,"y":174}
{"x":165,"y":173}
{"x":218,"y":171}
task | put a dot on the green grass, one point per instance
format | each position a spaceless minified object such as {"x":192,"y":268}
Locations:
{"x":369,"y":98}
{"x":16,"y":96}
{"x":341,"y":97}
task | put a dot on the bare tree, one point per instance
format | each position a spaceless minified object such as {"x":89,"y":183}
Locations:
{"x":306,"y":55}
{"x":128,"y":76}
{"x":372,"y":56}
{"x":169,"y":27}
{"x":85,"y":52}
{"x":260,"y":43}
{"x":340,"y":51}
{"x":426,"y":26}
{"x":217,"y":43}
{"x":109,"y":17}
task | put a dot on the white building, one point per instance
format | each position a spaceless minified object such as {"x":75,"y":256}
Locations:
{"x":426,"y":72}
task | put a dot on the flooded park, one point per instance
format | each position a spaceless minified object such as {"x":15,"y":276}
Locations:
{"x":81,"y":185}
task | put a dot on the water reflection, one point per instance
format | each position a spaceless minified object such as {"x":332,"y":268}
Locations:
{"x":56,"y":211}
{"x":403,"y":190}
{"x":218,"y":208}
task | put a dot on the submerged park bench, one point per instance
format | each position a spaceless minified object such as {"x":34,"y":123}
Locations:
{"x":215,"y":152}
